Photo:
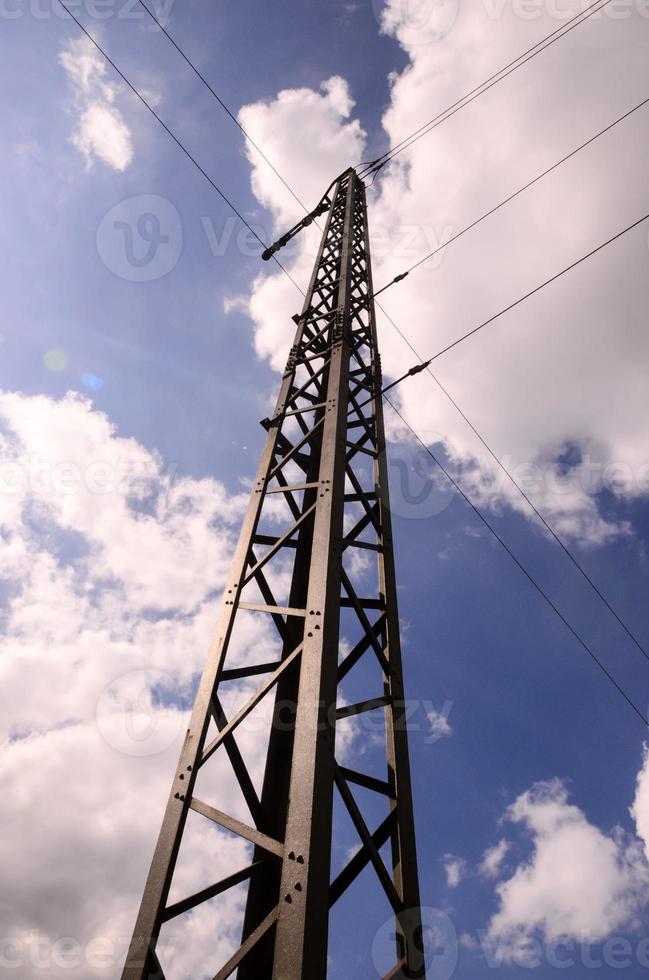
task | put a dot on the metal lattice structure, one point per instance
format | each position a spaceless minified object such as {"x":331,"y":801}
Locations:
{"x":323,"y":479}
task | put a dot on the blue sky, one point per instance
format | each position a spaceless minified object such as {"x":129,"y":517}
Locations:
{"x":183,"y":368}
{"x":141,"y":332}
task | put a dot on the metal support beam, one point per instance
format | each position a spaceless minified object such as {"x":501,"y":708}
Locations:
{"x":324,"y":466}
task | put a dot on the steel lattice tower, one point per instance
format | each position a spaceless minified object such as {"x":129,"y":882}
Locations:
{"x":323,"y":478}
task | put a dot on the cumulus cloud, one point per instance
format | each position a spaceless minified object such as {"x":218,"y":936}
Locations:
{"x":454,"y":175}
{"x":439,"y":723}
{"x":493,"y":858}
{"x":110,"y":565}
{"x":309,"y":137}
{"x":122,"y":499}
{"x":556,"y":387}
{"x":579,"y":883}
{"x":455,"y":869}
{"x":328,"y":141}
{"x":102,"y":131}
{"x":640,"y":808}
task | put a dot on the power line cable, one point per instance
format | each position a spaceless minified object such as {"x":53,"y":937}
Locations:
{"x":520,"y":565}
{"x":489,"y":83}
{"x":425,"y":366}
{"x":527,"y":499}
{"x":443,"y":389}
{"x":220,"y":101}
{"x":573,"y":265}
{"x":563,"y":29}
{"x":176,"y":140}
{"x":234,"y":119}
{"x":252,"y":142}
{"x":575,"y":21}
{"x":300,"y":202}
{"x":507,"y":200}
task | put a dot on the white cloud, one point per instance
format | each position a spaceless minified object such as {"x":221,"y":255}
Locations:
{"x":235,"y":304}
{"x":309,"y":137}
{"x":477,"y":158}
{"x":123,"y":500}
{"x":493,"y":858}
{"x":109,"y":569}
{"x":467,"y":941}
{"x":439,"y":723}
{"x":640,"y":808}
{"x":418,"y":22}
{"x":77,"y":837}
{"x":455,"y":869}
{"x":328,"y":141}
{"x":579,"y":882}
{"x":102,"y":131}
{"x":547,"y":377}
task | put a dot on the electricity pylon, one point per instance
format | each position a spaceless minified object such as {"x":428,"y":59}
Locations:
{"x":317,"y":528}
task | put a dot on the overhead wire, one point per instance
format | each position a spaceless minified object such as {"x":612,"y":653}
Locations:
{"x":485,"y":86}
{"x":470,"y":333}
{"x":539,"y":588}
{"x":175,"y":138}
{"x":402,"y":275}
{"x":220,"y":101}
{"x":427,"y":128}
{"x":232,"y":116}
{"x":425,"y":365}
{"x":525,"y":496}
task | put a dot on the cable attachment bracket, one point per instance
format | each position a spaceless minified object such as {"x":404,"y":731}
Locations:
{"x":324,"y":206}
{"x":417,"y":369}
{"x":376,"y":170}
